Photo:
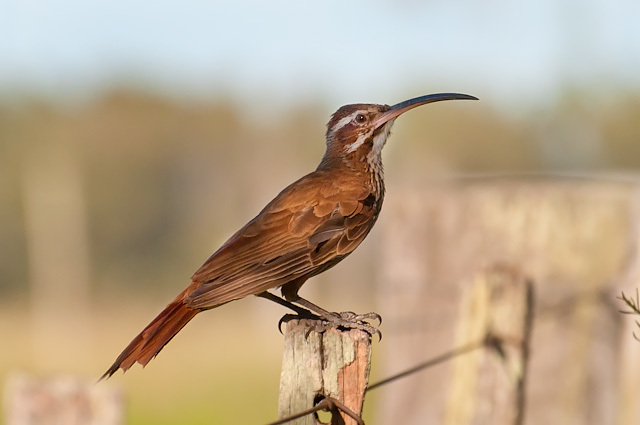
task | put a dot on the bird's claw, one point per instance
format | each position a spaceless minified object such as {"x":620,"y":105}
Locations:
{"x":345,"y":324}
{"x":343,"y":320}
{"x":351,"y":316}
{"x":351,"y":320}
{"x":360,"y":325}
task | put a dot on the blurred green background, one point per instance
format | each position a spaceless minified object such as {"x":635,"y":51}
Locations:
{"x":135,"y":137}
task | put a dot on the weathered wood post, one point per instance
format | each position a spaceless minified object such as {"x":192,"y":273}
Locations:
{"x":333,"y":363}
{"x":488,"y":385}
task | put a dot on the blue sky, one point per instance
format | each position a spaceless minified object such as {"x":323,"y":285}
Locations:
{"x":337,"y":51}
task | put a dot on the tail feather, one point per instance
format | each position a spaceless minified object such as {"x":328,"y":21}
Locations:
{"x":156,"y":335}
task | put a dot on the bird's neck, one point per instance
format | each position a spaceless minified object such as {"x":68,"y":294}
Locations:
{"x":375,"y":173}
{"x":364,"y":166}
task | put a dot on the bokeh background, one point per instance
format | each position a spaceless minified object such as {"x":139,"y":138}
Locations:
{"x":136,"y":136}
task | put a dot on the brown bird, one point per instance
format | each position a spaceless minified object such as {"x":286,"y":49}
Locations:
{"x":308,"y":228}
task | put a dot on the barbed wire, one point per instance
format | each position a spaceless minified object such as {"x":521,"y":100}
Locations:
{"x":489,"y":340}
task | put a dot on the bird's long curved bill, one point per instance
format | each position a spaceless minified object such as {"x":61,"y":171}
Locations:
{"x":402,"y":107}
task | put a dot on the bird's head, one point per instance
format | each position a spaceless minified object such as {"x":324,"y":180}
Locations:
{"x":357,"y":133}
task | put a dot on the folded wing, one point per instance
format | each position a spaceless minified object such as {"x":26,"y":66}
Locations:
{"x":309,"y":227}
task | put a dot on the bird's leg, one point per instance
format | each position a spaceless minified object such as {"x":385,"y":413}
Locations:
{"x":347,"y":319}
{"x":290,"y":293}
{"x":301,"y":313}
{"x":276,"y":299}
{"x":346,"y":315}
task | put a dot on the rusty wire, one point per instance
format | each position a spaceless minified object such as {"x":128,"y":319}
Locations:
{"x":328,"y":404}
{"x":488,"y":340}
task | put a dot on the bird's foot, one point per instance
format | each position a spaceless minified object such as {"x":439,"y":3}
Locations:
{"x":351,"y":320}
{"x":366,"y":317}
{"x":343,"y":320}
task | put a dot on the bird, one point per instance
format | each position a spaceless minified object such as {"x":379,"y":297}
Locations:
{"x":309,"y":227}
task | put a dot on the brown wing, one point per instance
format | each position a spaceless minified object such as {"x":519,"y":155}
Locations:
{"x":307,"y":228}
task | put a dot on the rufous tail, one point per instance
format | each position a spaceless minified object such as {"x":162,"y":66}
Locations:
{"x":156,"y":335}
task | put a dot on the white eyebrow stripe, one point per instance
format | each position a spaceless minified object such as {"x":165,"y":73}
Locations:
{"x":346,"y":120}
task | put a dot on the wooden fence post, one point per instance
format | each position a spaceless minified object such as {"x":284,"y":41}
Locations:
{"x":488,"y":385}
{"x":333,"y":363}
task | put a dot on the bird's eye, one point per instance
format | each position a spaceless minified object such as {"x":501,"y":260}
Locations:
{"x":360,"y":119}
